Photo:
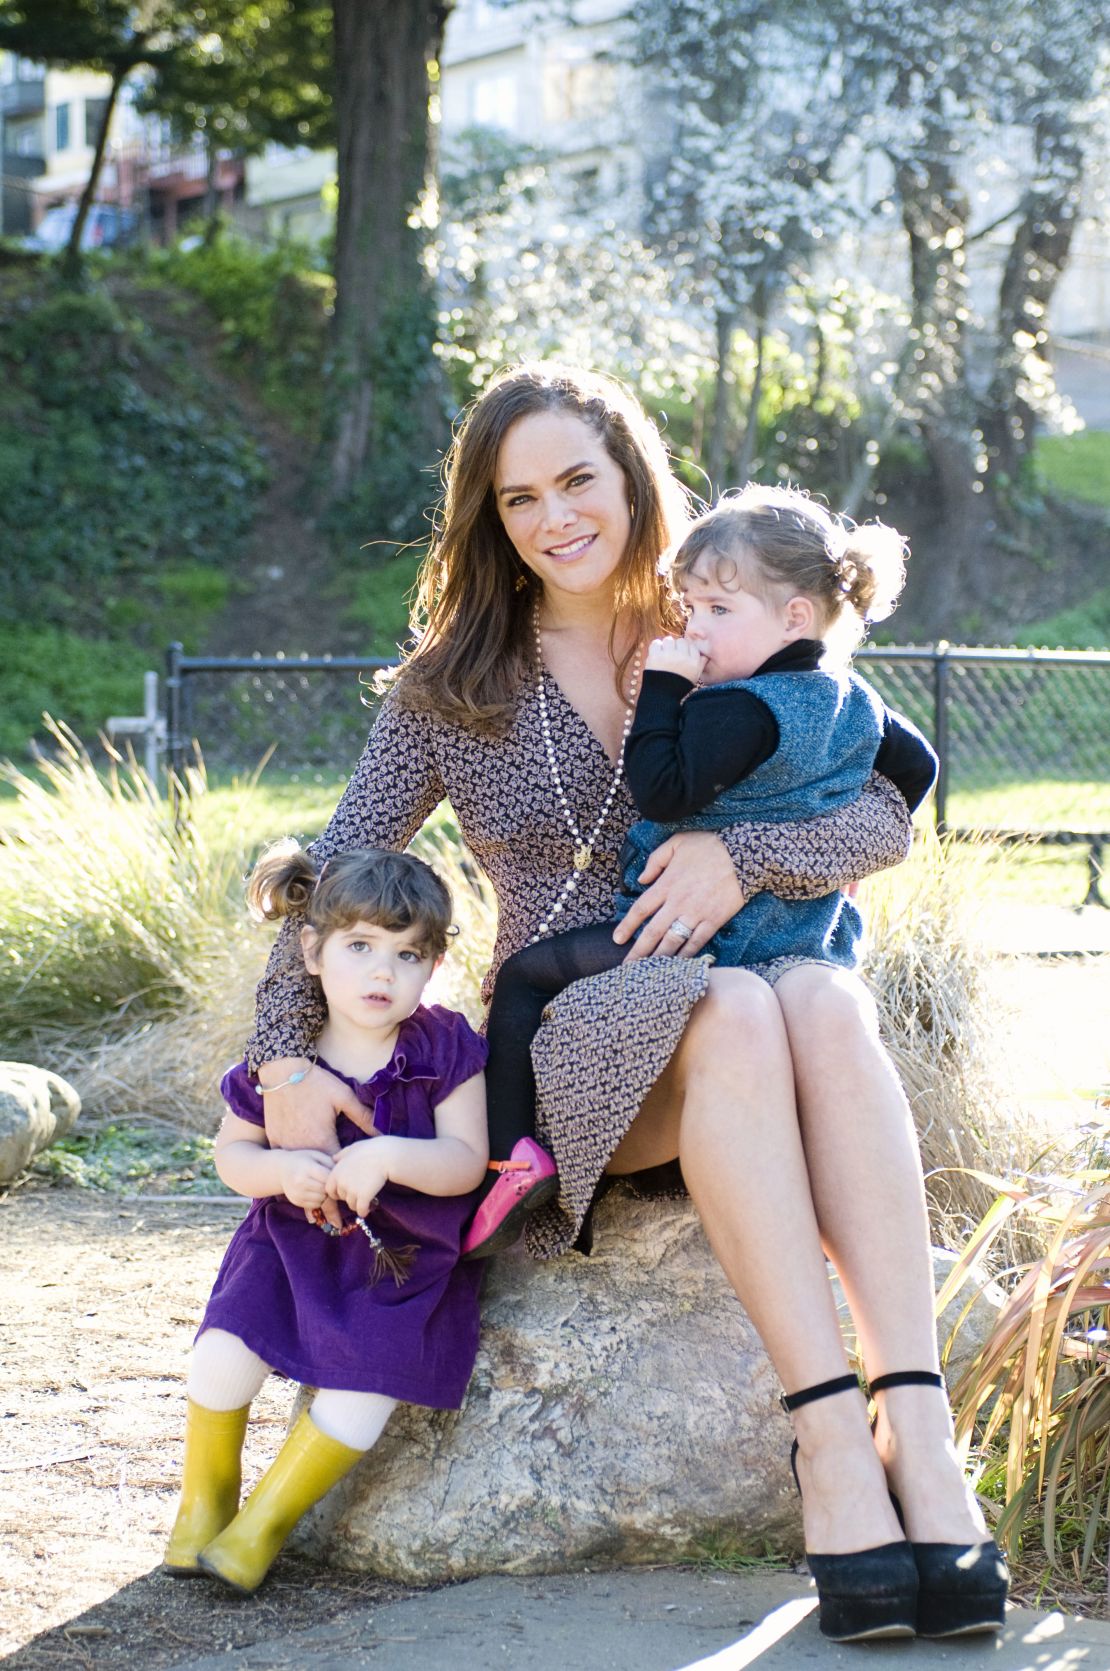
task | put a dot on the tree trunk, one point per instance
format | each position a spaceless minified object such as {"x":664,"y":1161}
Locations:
{"x":751,"y":428}
{"x":384,"y":410}
{"x":934,"y":214}
{"x":1036,"y":262}
{"x":716,"y":445}
{"x":71,"y":259}
{"x":211,"y":189}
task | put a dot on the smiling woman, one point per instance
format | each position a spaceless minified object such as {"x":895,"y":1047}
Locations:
{"x":570,"y":528}
{"x":540,"y":595}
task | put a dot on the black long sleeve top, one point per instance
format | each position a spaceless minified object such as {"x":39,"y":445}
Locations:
{"x":681,"y":755}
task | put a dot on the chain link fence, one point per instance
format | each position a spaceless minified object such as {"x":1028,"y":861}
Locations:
{"x":1022,"y":735}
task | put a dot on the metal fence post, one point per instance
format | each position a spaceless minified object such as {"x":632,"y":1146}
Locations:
{"x":175,"y":743}
{"x":940,"y":731}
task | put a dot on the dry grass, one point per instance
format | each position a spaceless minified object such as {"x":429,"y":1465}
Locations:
{"x":112,"y":909}
{"x":132,"y":964}
{"x":168,"y":1068}
{"x":1036,"y":1398}
{"x":952,"y":1043}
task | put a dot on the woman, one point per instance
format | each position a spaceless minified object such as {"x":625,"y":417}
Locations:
{"x":539,"y":594}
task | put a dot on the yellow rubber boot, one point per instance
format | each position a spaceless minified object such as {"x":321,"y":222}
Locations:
{"x":210,"y":1484}
{"x":308,"y":1464}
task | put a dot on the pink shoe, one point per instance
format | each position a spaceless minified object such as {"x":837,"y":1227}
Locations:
{"x":528,"y":1180}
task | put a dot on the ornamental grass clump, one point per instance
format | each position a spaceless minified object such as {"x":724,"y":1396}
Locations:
{"x":112,"y":908}
{"x":1035,"y":1400}
{"x":941,"y":1019}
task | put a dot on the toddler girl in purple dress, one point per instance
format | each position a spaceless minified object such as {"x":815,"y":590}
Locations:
{"x":345,"y":1273}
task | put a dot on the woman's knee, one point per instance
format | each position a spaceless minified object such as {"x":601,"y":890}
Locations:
{"x":819,"y":1001}
{"x":739,"y":1011}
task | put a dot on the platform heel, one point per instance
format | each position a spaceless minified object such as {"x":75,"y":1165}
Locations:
{"x":869,"y":1594}
{"x":962,"y":1587}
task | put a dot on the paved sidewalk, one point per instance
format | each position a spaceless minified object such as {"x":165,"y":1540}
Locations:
{"x":666,"y":1620}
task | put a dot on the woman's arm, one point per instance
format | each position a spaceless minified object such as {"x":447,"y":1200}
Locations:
{"x":395,"y":787}
{"x":246,"y":1164}
{"x":451,"y":1163}
{"x":815,"y":856}
{"x":703,"y":879}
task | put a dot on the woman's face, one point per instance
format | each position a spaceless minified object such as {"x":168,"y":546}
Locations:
{"x":563,"y":502}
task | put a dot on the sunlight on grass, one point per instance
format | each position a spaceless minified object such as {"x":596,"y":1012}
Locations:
{"x":1034,"y":803}
{"x":1076,"y":466}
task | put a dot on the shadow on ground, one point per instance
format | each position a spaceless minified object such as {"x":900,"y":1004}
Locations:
{"x":156,"y":1621}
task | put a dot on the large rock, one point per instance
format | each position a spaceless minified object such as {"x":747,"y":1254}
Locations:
{"x":622,"y":1410}
{"x":36,"y":1108}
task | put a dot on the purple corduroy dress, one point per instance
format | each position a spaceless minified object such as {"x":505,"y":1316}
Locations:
{"x":304,"y":1301}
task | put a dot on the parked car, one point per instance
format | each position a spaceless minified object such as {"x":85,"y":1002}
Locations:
{"x":106,"y":226}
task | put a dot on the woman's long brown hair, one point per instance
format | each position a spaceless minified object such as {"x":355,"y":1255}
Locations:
{"x":475,"y":598}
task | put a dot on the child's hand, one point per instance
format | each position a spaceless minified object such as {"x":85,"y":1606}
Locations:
{"x":304,"y":1176}
{"x":359,"y":1174}
{"x":675,"y":655}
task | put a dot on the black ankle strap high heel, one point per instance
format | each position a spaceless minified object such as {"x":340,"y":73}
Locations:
{"x":962,"y":1586}
{"x":870,"y":1593}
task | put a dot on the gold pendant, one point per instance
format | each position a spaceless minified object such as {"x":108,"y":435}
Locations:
{"x":583,"y":857}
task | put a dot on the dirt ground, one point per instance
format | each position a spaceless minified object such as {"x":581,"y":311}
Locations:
{"x":100,"y":1300}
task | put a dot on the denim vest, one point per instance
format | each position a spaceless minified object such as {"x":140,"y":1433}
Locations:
{"x":830,"y":727}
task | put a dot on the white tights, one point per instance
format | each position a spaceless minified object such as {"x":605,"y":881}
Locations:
{"x":225,"y":1375}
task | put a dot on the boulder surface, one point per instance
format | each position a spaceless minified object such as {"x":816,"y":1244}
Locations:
{"x":36,"y":1108}
{"x":622,"y":1410}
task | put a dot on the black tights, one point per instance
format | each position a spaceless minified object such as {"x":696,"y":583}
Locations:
{"x":526,"y":983}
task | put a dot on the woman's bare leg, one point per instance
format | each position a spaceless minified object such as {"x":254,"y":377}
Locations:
{"x":728,"y":1096}
{"x":865,"y":1177}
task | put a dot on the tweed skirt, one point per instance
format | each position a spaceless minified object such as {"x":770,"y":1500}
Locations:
{"x":602,"y":1045}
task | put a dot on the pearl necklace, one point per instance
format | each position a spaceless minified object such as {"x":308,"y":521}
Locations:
{"x":583,"y":845}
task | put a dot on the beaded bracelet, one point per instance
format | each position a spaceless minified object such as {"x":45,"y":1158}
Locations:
{"x":294,"y":1078}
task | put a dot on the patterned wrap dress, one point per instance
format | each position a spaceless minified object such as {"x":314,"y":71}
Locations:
{"x":604,"y":1041}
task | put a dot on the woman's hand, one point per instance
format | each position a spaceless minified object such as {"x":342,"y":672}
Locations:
{"x":360,"y":1174}
{"x":689,"y":881}
{"x":303,"y":1116}
{"x":304,"y":1176}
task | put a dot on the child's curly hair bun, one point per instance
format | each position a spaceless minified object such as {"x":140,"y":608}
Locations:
{"x":873,"y":570}
{"x":282,"y":882}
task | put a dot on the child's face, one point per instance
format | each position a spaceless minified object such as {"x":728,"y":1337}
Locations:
{"x":733,"y":629}
{"x":372,"y":977}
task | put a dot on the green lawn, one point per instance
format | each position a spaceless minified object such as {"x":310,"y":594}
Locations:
{"x":243,"y":814}
{"x":1076,"y":466}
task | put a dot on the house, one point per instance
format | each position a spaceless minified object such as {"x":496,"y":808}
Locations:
{"x":523,"y":71}
{"x":49,"y":121}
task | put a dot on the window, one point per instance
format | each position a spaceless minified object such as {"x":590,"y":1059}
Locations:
{"x":94,"y":115}
{"x":26,"y":141}
{"x":575,"y":92}
{"x":495,"y":102}
{"x":61,"y":128}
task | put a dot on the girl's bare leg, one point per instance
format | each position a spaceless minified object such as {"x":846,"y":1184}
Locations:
{"x":865,"y":1177}
{"x":728,"y":1096}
